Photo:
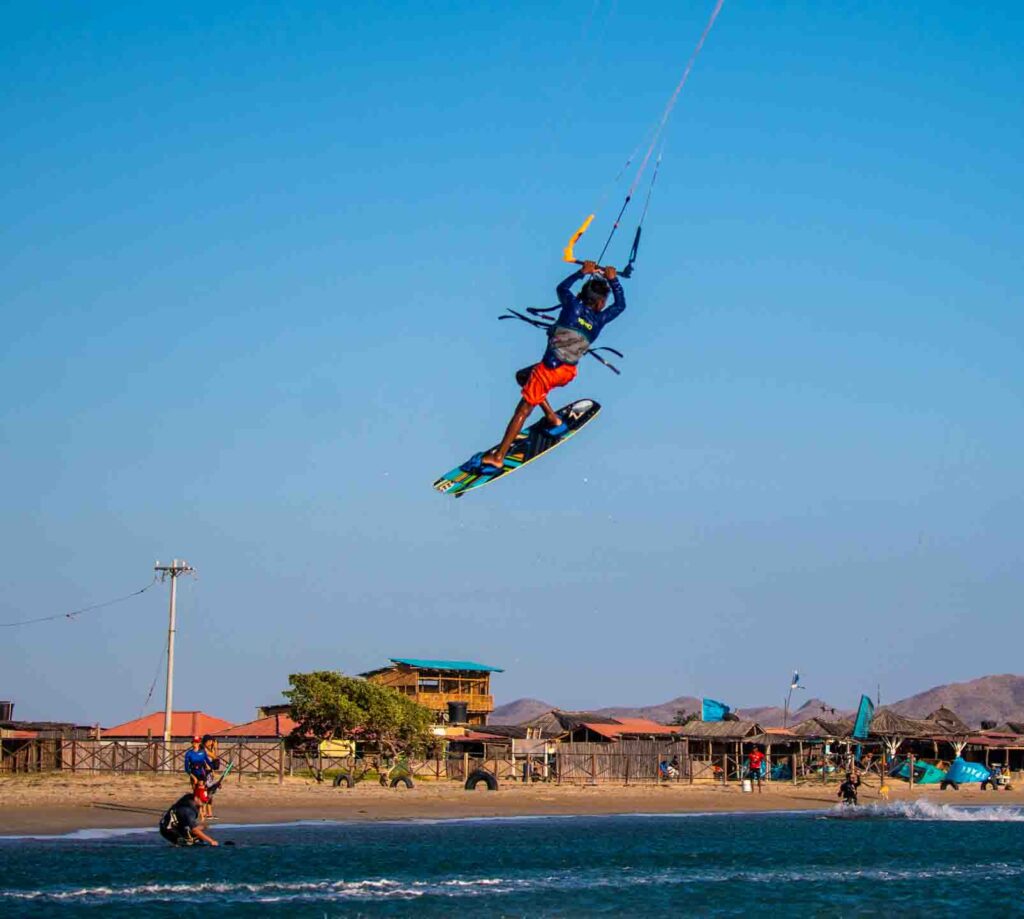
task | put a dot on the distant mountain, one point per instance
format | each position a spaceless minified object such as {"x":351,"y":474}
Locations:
{"x":519,"y":711}
{"x":995,"y":698}
{"x":774,"y":716}
{"x":989,"y":698}
{"x":663,"y":713}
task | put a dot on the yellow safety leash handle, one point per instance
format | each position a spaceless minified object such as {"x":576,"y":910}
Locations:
{"x":567,"y":253}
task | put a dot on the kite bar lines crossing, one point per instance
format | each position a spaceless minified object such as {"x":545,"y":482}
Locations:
{"x":568,"y":255}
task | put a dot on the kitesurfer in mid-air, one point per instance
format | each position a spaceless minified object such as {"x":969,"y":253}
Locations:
{"x":578,"y":324}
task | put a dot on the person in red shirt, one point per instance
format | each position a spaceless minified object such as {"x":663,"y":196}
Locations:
{"x":756,"y":765}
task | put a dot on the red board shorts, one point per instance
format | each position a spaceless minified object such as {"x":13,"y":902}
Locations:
{"x":543,"y":379}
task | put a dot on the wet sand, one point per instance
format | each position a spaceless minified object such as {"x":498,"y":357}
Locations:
{"x":54,"y":805}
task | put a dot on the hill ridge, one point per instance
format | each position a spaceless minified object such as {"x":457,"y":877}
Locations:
{"x":996,"y":697}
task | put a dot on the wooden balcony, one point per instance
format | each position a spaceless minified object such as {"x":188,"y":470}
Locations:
{"x":438,"y":701}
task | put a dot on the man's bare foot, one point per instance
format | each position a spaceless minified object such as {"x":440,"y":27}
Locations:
{"x":491,"y":459}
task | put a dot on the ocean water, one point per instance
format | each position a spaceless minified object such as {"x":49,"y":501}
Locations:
{"x":917,"y":859}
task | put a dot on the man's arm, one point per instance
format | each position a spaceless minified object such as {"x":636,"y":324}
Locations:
{"x":564,"y":290}
{"x":615,"y":308}
{"x":205,"y":837}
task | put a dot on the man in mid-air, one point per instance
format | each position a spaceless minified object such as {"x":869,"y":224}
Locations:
{"x":578,"y":324}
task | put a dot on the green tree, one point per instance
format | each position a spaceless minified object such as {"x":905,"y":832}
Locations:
{"x":327,"y":705}
{"x":684,"y":717}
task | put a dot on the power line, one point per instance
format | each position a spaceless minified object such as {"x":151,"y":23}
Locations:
{"x":152,"y":686}
{"x":79,"y":612}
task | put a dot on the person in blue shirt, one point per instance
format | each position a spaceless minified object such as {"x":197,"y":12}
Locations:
{"x":579,"y":322}
{"x":198,"y":763}
{"x":198,"y":767}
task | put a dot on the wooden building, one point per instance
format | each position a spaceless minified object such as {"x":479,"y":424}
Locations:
{"x":621,"y":729}
{"x":442,"y":686}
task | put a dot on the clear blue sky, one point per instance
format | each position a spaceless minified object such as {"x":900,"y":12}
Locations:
{"x":250,"y":264}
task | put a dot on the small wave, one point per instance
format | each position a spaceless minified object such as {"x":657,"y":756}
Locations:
{"x":327,"y":891}
{"x":267,"y":891}
{"x":929,"y":810}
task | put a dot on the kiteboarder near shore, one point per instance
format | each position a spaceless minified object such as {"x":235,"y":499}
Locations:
{"x":180,"y":824}
{"x":578,"y":324}
{"x":848,"y":790}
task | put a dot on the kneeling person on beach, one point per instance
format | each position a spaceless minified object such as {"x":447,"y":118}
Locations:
{"x":180,"y":824}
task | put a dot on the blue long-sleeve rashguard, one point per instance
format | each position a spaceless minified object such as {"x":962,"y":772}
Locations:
{"x":577,"y":325}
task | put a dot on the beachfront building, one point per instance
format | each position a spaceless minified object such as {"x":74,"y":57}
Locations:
{"x":272,"y":728}
{"x":557,"y":723}
{"x":457,"y":692}
{"x":184,"y":726}
{"x":620,"y":729}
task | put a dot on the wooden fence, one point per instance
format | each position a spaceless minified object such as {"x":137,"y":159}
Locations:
{"x":625,"y":763}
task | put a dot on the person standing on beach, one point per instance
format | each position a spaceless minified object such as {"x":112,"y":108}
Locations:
{"x":198,"y":767}
{"x":180,"y":824}
{"x":756,"y":766}
{"x":212,"y":784}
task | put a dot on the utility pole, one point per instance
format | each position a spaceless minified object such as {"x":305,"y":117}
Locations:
{"x":172,"y":571}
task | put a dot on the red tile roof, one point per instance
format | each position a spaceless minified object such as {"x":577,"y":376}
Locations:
{"x":183,"y":724}
{"x":479,"y":735}
{"x":628,"y":726}
{"x":279,"y":725}
{"x":996,"y":740}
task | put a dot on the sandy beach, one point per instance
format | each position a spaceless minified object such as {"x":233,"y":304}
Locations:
{"x":54,"y":805}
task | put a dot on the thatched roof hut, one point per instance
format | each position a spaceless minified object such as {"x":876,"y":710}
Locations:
{"x":887,"y":723}
{"x":554,"y":723}
{"x":893,"y":728}
{"x":949,"y":722}
{"x":820,"y":729}
{"x":720,"y":730}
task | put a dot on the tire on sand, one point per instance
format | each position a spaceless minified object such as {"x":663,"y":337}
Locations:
{"x":405,"y":780}
{"x":481,"y":775}
{"x":343,"y":778}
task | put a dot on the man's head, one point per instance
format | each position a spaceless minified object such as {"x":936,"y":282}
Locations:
{"x":196,"y":741}
{"x":594,"y":293}
{"x":207,"y":740}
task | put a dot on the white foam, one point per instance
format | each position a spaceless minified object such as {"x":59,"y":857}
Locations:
{"x":320,"y":891}
{"x":266,"y":891}
{"x":929,"y":810}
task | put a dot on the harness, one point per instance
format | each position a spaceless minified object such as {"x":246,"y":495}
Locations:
{"x":538,"y":319}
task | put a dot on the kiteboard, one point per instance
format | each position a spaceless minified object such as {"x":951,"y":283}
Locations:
{"x":532,"y":442}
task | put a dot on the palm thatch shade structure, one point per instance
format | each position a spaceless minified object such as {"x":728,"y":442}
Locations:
{"x":720,"y":730}
{"x":892,"y":728}
{"x":950,"y":722}
{"x":951,"y":727}
{"x":819,"y":729}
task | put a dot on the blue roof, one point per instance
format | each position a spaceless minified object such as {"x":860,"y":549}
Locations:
{"x":444,"y":665}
